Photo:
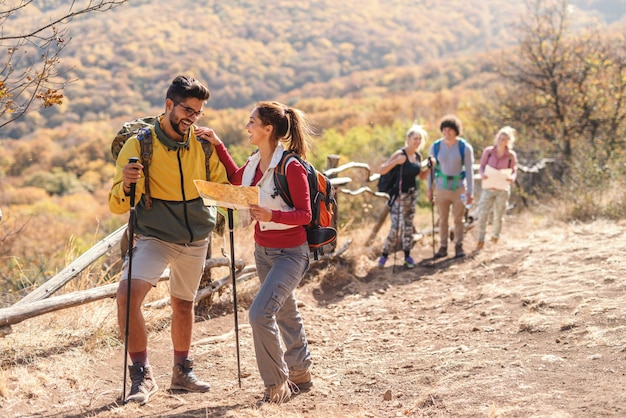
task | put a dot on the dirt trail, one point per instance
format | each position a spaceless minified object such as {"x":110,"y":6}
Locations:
{"x":535,"y":326}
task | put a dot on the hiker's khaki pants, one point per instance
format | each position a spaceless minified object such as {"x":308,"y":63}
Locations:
{"x":491,"y":200}
{"x":444,"y":200}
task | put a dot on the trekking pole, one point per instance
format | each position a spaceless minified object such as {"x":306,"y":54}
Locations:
{"x":232,"y":273}
{"x":432,"y":207}
{"x":399,"y":200}
{"x":131,"y":234}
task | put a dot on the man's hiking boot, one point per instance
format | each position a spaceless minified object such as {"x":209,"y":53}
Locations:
{"x":143,"y":384}
{"x":480,"y":245}
{"x":301,"y":378}
{"x":381,"y":261}
{"x":409,"y":263}
{"x":458,"y":251}
{"x":183,"y":378}
{"x":443,"y":251}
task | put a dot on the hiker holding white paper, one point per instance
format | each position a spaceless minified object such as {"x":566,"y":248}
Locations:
{"x":281,"y":250}
{"x":498,"y":170}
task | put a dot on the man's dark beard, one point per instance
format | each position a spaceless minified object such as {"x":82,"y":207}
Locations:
{"x":175,"y":127}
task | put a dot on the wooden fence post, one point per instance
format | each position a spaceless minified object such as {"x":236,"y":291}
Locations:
{"x":379,"y":223}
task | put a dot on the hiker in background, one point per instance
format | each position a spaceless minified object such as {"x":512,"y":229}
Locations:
{"x":454,"y":179}
{"x":402,"y":208}
{"x":173,"y":232}
{"x":499,"y":156}
{"x":281,"y":249}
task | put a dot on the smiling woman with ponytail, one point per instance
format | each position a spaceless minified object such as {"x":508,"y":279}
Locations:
{"x":281,"y":251}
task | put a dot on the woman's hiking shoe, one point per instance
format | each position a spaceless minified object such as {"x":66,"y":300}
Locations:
{"x":458,"y":251}
{"x":183,"y":378}
{"x":280,"y":393}
{"x":301,"y":378}
{"x":381,"y":261}
{"x":443,"y":252}
{"x":143,"y":384}
{"x":494,"y":240}
{"x":409,"y":263}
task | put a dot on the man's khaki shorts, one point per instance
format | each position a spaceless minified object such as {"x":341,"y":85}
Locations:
{"x":152,"y":256}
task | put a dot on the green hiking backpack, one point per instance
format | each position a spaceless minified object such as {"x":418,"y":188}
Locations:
{"x":142,"y":128}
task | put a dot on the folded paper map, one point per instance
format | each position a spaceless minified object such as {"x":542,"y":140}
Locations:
{"x":227,"y":195}
{"x":496,"y":179}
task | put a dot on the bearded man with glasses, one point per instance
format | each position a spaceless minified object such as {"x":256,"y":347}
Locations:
{"x":173,"y":232}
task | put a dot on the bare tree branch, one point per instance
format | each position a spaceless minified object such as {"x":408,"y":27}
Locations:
{"x":30,"y":78}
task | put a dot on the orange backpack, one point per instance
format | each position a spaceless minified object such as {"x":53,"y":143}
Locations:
{"x":321,"y":231}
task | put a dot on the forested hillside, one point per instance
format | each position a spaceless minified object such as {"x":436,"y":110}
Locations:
{"x":121,"y":61}
{"x":363,"y":71}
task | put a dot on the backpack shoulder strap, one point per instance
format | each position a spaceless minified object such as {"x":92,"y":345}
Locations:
{"x":400,"y":166}
{"x":462,"y":145}
{"x":208,"y":150}
{"x":404,"y":152}
{"x":280,"y":176}
{"x":436,"y":147}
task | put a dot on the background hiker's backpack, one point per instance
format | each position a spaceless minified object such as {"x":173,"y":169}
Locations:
{"x":141,"y":127}
{"x":462,"y":143}
{"x":321,"y":231}
{"x":439,"y":173}
{"x":390,"y":182}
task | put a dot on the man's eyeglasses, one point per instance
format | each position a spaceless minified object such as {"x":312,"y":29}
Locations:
{"x":189,"y":111}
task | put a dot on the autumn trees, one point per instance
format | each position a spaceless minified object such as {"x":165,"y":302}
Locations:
{"x":567,"y":87}
{"x":564,"y":90}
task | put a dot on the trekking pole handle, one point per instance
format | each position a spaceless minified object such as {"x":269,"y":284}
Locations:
{"x":133,"y":185}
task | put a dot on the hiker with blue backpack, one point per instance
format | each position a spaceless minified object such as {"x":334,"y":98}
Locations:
{"x":407,"y":162}
{"x":281,"y":249}
{"x":499,"y":156}
{"x":453,"y":183}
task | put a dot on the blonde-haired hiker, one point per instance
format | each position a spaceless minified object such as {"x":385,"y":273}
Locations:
{"x":499,"y":156}
{"x":402,"y":207}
